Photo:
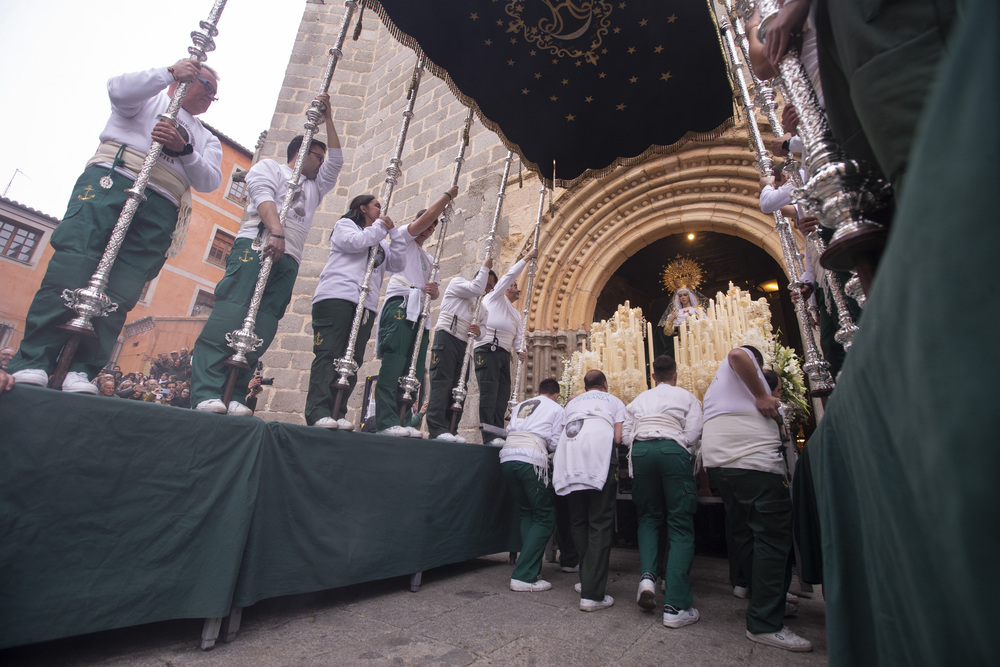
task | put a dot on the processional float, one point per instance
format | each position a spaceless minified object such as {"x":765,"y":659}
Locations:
{"x":515,"y":395}
{"x":459,"y":393}
{"x":841,"y":192}
{"x":91,"y":301}
{"x":409,"y":383}
{"x":244,"y":340}
{"x":817,"y":368}
{"x":346,"y":366}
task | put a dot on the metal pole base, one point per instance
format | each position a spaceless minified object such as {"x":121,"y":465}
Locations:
{"x":820,"y":393}
{"x":415,"y":581}
{"x":456,"y":416}
{"x":338,"y":390}
{"x":68,"y":352}
{"x":404,"y":407}
{"x":234,"y":367}
{"x":852,"y":250}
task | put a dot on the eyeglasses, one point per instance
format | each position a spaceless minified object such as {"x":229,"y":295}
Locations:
{"x":318,"y":156}
{"x":209,"y":88}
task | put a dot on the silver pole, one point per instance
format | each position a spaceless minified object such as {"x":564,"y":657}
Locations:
{"x":515,"y":396}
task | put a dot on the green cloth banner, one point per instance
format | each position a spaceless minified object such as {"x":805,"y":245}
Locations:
{"x":115,"y":513}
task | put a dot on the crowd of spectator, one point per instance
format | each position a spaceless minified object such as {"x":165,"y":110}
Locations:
{"x":168,"y":381}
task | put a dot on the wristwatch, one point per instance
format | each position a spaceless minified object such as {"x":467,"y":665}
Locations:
{"x":187,"y":150}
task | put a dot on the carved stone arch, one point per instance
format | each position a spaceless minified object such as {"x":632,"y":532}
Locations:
{"x":599,"y":224}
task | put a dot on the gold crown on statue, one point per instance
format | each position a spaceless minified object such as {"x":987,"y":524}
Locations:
{"x":682,"y":272}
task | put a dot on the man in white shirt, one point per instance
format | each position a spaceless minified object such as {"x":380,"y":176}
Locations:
{"x":191,"y":158}
{"x":535,"y":427}
{"x":400,"y":313}
{"x":500,"y":337}
{"x":741,"y":449}
{"x":454,"y":323}
{"x":662,"y":429}
{"x":586,"y":471}
{"x":267,"y":185}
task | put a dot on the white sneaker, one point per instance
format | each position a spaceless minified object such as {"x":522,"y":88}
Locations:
{"x":594,"y":605}
{"x":646,"y":596}
{"x":496,"y":442}
{"x":741,"y":592}
{"x":459,"y":439}
{"x":525,"y":587}
{"x":327,"y":422}
{"x":447,"y":437}
{"x":398,"y":431}
{"x":345,"y":424}
{"x":34,"y":376}
{"x":578,"y":587}
{"x":784,"y":638}
{"x":678,"y":618}
{"x":238,"y":409}
{"x":414,"y":432}
{"x":212,"y":405}
{"x":791,"y":609}
{"x":567,"y":568}
{"x":77,"y":383}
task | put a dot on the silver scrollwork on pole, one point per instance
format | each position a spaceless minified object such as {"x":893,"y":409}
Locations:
{"x":92,"y":301}
{"x":345,"y":366}
{"x":515,"y":396}
{"x":409,"y":383}
{"x":459,"y":393}
{"x":817,"y":368}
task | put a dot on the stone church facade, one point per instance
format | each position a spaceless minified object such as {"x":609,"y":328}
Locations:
{"x":588,"y":231}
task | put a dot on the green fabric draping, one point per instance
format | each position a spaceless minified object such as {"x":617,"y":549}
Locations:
{"x":115,"y":513}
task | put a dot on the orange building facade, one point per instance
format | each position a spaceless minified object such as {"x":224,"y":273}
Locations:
{"x":173,"y":307}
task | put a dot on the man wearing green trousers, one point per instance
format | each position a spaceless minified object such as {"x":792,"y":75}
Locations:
{"x":191,"y":158}
{"x":535,"y":427}
{"x":267,"y":184}
{"x":662,"y":429}
{"x":586,"y":472}
{"x":400,"y":313}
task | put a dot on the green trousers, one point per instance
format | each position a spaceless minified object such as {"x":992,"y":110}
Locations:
{"x":396,"y":337}
{"x":592,"y":515}
{"x":78,"y":243}
{"x":538,"y":516}
{"x":447,"y":354}
{"x":232,"y":299}
{"x":760,"y":509}
{"x":331,"y":323}
{"x":493,"y":376}
{"x":568,"y":555}
{"x":663,"y":489}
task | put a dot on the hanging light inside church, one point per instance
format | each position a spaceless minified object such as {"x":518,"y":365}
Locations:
{"x":769,"y":286}
{"x":691,"y":237}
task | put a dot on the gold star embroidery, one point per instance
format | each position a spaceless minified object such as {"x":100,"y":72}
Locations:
{"x":474,"y":16}
{"x":570,"y":117}
{"x":553,"y":98}
{"x":621,"y":5}
{"x":488,"y":42}
{"x":525,"y":91}
{"x":555,"y":61}
{"x":601,"y":75}
{"x":531,"y":52}
{"x":620,"y":107}
{"x":500,"y":22}
{"x":633,"y":79}
{"x":510,"y":63}
{"x":565,"y":82}
{"x":617,"y":30}
{"x":604,"y":52}
{"x":665,"y":76}
{"x":658,"y":49}
{"x":643,"y":23}
{"x":513,"y":41}
{"x":631,"y":49}
{"x":578,"y":63}
{"x":538,"y":75}
{"x":588,"y":99}
{"x":672,"y":18}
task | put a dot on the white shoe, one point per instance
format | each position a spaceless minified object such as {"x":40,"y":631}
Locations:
{"x":525,"y":587}
{"x":594,"y":605}
{"x":496,"y":442}
{"x":212,"y":405}
{"x":345,"y":424}
{"x":578,"y":587}
{"x":678,"y":618}
{"x":566,"y":568}
{"x":783,"y":638}
{"x":646,"y":596}
{"x":458,"y":439}
{"x":34,"y":376}
{"x":414,"y":432}
{"x":238,"y":409}
{"x":77,"y":383}
{"x":741,"y":592}
{"x":791,"y":609}
{"x":327,"y":422}
{"x":398,"y":431}
{"x":447,"y":437}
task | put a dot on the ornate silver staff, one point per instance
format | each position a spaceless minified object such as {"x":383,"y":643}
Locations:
{"x":840,"y":191}
{"x":515,"y":396}
{"x":409,"y":383}
{"x":345,"y":366}
{"x":459,"y":393}
{"x":91,"y":301}
{"x":816,"y":367}
{"x":244,"y":340}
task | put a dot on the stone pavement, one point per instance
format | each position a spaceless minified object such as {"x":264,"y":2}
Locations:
{"x":464,"y":614}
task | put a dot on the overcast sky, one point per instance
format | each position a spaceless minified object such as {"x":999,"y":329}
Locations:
{"x":56,"y":57}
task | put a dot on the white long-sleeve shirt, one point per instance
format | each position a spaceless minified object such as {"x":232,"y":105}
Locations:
{"x":664,"y":412}
{"x":410,"y":280}
{"x":459,"y":304}
{"x":541,"y":416}
{"x":268,"y":181}
{"x":504,"y":320}
{"x":137,"y":100}
{"x":583,"y":456}
{"x":345,"y":267}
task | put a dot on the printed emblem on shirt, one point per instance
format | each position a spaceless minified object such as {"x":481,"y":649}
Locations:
{"x":379,"y":256}
{"x":527,"y":408}
{"x":573,"y":428}
{"x":86,"y":194}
